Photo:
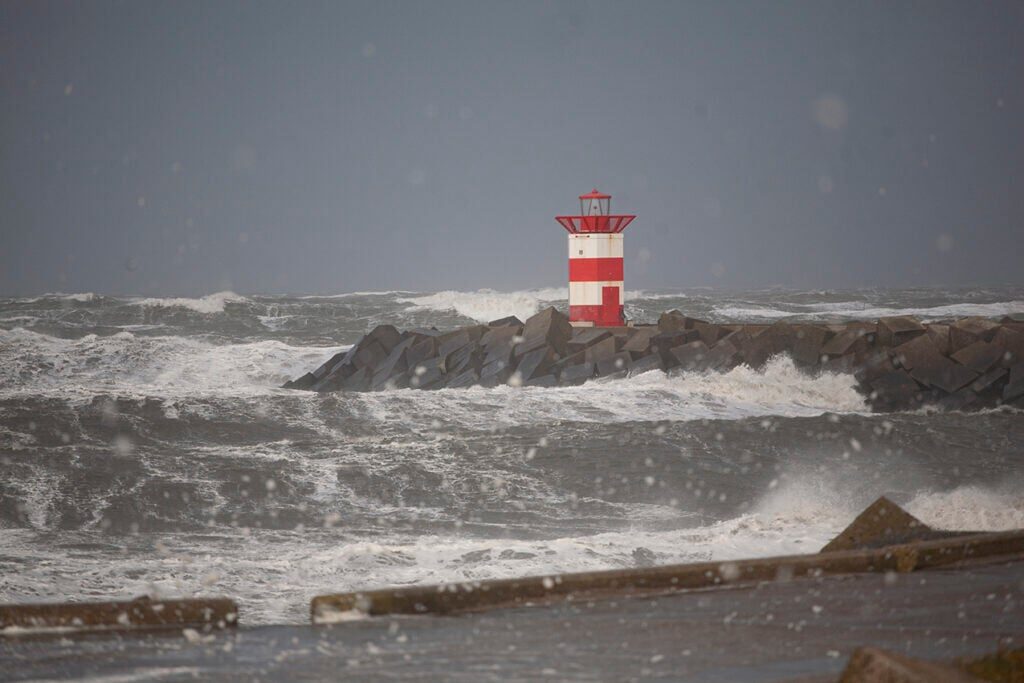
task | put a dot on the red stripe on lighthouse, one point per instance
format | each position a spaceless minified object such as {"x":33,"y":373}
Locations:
{"x":595,"y":269}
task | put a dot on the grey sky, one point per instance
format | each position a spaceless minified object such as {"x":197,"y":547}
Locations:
{"x":188,"y":147}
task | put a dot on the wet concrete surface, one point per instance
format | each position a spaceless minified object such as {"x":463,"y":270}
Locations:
{"x":802,"y":629}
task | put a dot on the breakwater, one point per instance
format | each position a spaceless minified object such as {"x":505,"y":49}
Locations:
{"x":899,"y":362}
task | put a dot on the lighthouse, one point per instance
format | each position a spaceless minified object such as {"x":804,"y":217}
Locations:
{"x":595,"y":262}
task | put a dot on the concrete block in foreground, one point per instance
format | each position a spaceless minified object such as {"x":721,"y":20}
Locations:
{"x":140,"y":613}
{"x":586,"y":586}
{"x":884,"y":523}
{"x":874,"y":665}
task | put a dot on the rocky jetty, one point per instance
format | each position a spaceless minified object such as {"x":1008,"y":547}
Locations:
{"x":899,"y":363}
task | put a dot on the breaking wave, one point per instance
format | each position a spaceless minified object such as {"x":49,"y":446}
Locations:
{"x":485,"y":305}
{"x":971,"y":508}
{"x":37,"y":364}
{"x":865,"y":311}
{"x":212,"y":303}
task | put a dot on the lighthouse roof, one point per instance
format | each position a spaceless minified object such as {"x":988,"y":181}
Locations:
{"x":595,"y":194}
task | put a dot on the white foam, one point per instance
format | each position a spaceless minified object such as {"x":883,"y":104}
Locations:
{"x":798,"y":516}
{"x":971,"y":508}
{"x":81,"y":297}
{"x":485,"y":305}
{"x":863,"y":310}
{"x":212,"y":303}
{"x":37,"y":364}
{"x":349,"y":295}
{"x":780,"y":388}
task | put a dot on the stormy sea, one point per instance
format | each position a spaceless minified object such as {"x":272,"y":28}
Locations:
{"x":146,"y":448}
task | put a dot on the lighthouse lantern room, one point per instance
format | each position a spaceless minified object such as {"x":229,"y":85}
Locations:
{"x":595,"y":262}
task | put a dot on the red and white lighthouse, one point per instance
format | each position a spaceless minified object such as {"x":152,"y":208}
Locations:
{"x":595,"y":262}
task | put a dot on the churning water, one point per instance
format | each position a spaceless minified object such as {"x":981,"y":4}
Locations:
{"x":145,"y":447}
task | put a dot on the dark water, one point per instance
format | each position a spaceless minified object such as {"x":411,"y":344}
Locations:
{"x":145,"y":447}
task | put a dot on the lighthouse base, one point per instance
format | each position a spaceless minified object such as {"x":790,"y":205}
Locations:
{"x":610,"y":314}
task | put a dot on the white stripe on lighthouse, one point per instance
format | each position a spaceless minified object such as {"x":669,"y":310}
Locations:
{"x":595,"y":246}
{"x":590,"y":293}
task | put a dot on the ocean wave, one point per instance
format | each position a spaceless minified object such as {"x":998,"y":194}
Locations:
{"x":80,"y":297}
{"x":798,"y":516}
{"x":970,"y":508}
{"x":864,"y":310}
{"x":349,"y":295}
{"x":212,"y":303}
{"x":485,"y":305}
{"x":643,"y":295}
{"x":37,"y":364}
{"x":780,"y":388}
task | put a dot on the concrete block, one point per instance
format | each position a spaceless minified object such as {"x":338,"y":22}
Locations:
{"x":874,"y":665}
{"x":499,"y":352}
{"x":509,"y":321}
{"x":394,"y":364}
{"x":141,"y":613}
{"x":1014,"y":389}
{"x":939,"y":335}
{"x":737,"y":336}
{"x":691,"y":357}
{"x":840,"y":365}
{"x":723,"y":356}
{"x":756,"y":350}
{"x":981,"y":356}
{"x":873,"y":365}
{"x":427,"y":373}
{"x":576,"y":374}
{"x":464,"y":379}
{"x":898,"y":330}
{"x":640,"y":341}
{"x":369,"y":353}
{"x":500,"y":335}
{"x":943,"y":374}
{"x":600,"y":351}
{"x":849,"y":341}
{"x":881,"y":523}
{"x":917,"y":352}
{"x":331,"y":382}
{"x":651,"y":361}
{"x":536,"y":363}
{"x":989,"y":379}
{"x":664,"y":342}
{"x":1012,"y":343}
{"x":568,"y":361}
{"x":958,"y":400}
{"x":428,"y":364}
{"x":423,"y":377}
{"x":895,"y":390}
{"x":547,"y":327}
{"x":709,"y":332}
{"x":460,"y":360}
{"x":336,"y":362}
{"x":456,"y":339}
{"x":808,"y":341}
{"x":586,"y":337}
{"x":385,"y":335}
{"x":450,"y":343}
{"x":358,"y":381}
{"x":304,"y":382}
{"x":615,"y":366}
{"x":493,"y":374}
{"x":421,"y":351}
{"x":966,"y":331}
{"x":671,"y":321}
{"x":544,"y":381}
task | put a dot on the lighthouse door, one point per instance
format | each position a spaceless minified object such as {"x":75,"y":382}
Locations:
{"x":610,"y":306}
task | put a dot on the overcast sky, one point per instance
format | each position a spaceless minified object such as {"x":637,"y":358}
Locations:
{"x":191,"y":147}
